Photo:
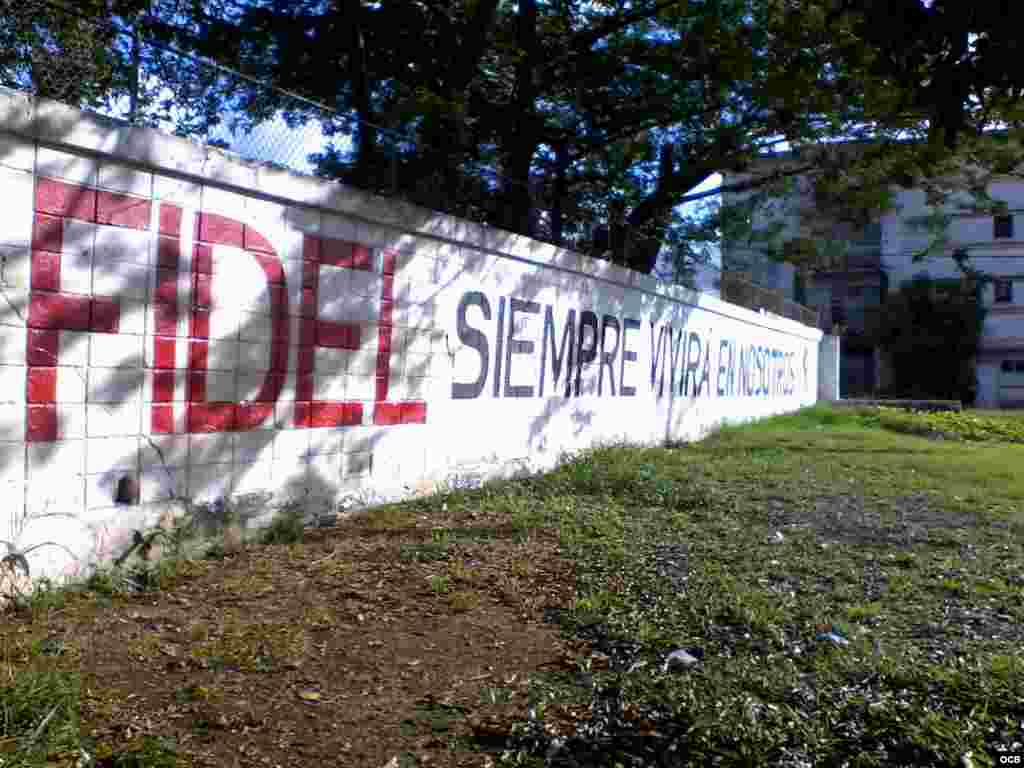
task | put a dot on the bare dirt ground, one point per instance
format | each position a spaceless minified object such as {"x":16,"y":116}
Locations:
{"x":374,"y":643}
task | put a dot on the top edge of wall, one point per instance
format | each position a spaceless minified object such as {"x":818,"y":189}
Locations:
{"x":56,"y":124}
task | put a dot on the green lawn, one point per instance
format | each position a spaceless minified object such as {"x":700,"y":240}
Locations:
{"x":748,"y":545}
{"x":848,"y":583}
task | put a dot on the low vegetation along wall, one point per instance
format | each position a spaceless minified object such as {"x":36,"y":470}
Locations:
{"x":175,"y":324}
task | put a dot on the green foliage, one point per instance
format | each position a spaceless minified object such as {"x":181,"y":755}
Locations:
{"x":966,"y":425}
{"x":582,"y":123}
{"x":65,"y":51}
{"x":813,"y":417}
{"x":45,"y":596}
{"x":600,"y":113}
{"x":843,"y":487}
{"x":930,"y":332}
{"x":105,"y":581}
{"x":39,"y":712}
{"x":150,"y":752}
{"x":440,"y":585}
{"x":287,"y":527}
{"x":425,"y":552}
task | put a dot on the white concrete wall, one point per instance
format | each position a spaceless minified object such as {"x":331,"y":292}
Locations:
{"x":179,"y":321}
{"x":828,"y":369}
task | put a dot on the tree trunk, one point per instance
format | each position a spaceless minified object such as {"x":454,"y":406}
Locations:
{"x":521,"y":143}
{"x":366,"y":134}
{"x":636,"y":242}
{"x":559,"y":193}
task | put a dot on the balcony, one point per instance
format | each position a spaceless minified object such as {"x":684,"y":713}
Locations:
{"x":736,"y":290}
{"x":862,"y":321}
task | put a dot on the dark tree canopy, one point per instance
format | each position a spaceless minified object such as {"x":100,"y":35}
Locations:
{"x":72,"y":53}
{"x":545,"y":117}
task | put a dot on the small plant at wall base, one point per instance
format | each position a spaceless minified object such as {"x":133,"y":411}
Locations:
{"x":929,"y":332}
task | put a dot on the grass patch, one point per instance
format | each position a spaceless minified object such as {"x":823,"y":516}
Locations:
{"x":847,"y":588}
{"x":148,"y":752}
{"x":834,"y":572}
{"x":250,"y":647}
{"x":463,"y":601}
{"x":440,"y":585}
{"x":424,"y":552}
{"x":965,"y":425}
{"x":288,"y":526}
{"x":39,"y":711}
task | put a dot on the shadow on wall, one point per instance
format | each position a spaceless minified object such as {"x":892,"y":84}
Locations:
{"x":123,"y":363}
{"x":609,"y":335}
{"x":113,"y":335}
{"x":166,"y":338}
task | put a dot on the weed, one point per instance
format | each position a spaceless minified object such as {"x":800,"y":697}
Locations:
{"x":144,"y":648}
{"x":965,"y":425}
{"x":438,"y":718}
{"x":288,"y":526}
{"x":152,"y":577}
{"x":954,"y":586}
{"x":105,"y":581}
{"x":440,"y":537}
{"x":215,"y":551}
{"x":320,"y":617}
{"x":258,"y":646}
{"x":440,"y":585}
{"x":904,"y":559}
{"x":389,"y":518}
{"x":461,"y":572}
{"x":525,"y":520}
{"x":521,"y":567}
{"x":463,"y":601}
{"x":150,"y":752}
{"x":864,"y":611}
{"x":192,"y":693}
{"x":39,"y":711}
{"x":672,"y":548}
{"x":425,"y":552}
{"x":45,"y":596}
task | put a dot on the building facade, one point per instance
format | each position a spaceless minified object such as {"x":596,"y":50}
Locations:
{"x":851,"y":285}
{"x":995,"y":247}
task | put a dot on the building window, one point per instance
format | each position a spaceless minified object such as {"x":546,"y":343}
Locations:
{"x":1004,"y":290}
{"x":1007,"y":366}
{"x":1003,"y":226}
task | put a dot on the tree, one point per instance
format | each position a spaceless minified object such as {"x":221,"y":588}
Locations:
{"x":943,"y":99}
{"x":930,"y":330}
{"x":71,"y":53}
{"x":547,"y":117}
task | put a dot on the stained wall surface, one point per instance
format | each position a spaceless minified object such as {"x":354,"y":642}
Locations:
{"x":177,"y":324}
